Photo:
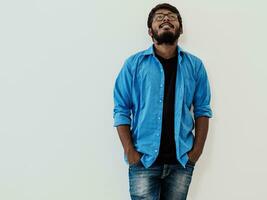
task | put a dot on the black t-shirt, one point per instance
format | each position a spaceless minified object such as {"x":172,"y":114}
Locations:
{"x":167,"y":152}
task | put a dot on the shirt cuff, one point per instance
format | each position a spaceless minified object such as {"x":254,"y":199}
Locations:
{"x":121,"y":120}
{"x":203,"y":111}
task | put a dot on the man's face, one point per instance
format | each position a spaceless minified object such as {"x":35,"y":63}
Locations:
{"x":165,"y":27}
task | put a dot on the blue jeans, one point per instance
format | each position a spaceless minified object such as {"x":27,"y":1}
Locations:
{"x":160,"y":182}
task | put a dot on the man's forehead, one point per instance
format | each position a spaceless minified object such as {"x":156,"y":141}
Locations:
{"x":165,"y":11}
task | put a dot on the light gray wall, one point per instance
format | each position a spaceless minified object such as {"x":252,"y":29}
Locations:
{"x":59,"y":61}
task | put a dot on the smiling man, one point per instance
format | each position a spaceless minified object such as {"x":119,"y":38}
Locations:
{"x":153,"y":96}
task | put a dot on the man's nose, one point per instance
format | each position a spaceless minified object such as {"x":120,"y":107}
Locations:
{"x":166,"y":18}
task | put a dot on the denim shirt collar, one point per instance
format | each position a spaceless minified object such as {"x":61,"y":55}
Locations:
{"x":150,"y":51}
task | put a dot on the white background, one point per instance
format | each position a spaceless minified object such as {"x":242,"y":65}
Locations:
{"x":59,"y":60}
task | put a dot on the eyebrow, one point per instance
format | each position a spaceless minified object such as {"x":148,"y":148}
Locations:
{"x":164,"y":13}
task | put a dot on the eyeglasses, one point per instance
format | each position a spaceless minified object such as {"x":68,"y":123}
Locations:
{"x":160,"y":16}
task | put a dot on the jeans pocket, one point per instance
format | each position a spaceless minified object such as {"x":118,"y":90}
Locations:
{"x":139,"y":163}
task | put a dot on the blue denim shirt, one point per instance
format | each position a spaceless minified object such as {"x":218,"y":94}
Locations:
{"x":138,"y":102}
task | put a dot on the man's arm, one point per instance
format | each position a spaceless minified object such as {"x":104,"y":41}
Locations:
{"x":122,"y":112}
{"x":201,"y":131}
{"x":126,"y":139}
{"x":202,"y":113}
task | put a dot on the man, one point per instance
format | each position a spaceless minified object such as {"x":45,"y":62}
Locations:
{"x":153,"y":96}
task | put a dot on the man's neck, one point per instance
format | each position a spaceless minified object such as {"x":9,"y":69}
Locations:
{"x":166,"y":51}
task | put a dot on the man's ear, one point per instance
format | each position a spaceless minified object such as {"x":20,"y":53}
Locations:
{"x":181,"y":30}
{"x":150,"y":32}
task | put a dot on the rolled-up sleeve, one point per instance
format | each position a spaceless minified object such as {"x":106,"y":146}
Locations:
{"x":122,"y":96}
{"x":202,"y":95}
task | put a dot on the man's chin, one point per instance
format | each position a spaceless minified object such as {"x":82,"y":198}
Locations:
{"x":167,"y":30}
{"x":166,"y":37}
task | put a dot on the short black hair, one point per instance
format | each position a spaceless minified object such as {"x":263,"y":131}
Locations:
{"x":167,"y":7}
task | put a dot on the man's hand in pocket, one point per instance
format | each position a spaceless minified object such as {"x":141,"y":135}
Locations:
{"x":133,"y":156}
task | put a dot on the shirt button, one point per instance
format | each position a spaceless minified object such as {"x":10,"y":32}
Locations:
{"x":157,"y":134}
{"x":158,"y":117}
{"x":160,"y":85}
{"x":160,"y":100}
{"x":156,"y":150}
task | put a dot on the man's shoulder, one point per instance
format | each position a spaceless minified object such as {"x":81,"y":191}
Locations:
{"x":194,"y":59}
{"x":133,"y":60}
{"x":193,"y":62}
{"x":136,"y":56}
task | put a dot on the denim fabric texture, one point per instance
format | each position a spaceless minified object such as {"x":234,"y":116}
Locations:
{"x":159,"y":181}
{"x":138,"y":101}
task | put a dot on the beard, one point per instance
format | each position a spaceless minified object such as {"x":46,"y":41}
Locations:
{"x":166,"y":37}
